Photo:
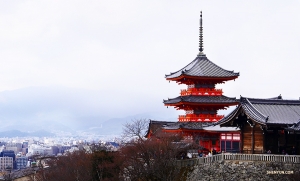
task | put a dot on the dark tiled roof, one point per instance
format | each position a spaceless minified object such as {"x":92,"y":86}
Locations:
{"x":295,"y":127}
{"x":273,"y":111}
{"x":186,"y":125}
{"x":202,"y":99}
{"x":268,"y":111}
{"x":202,"y":67}
{"x":156,"y":126}
{"x":229,"y":116}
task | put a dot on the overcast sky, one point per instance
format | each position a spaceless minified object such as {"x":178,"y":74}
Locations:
{"x":127,"y":47}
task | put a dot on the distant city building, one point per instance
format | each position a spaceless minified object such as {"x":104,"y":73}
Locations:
{"x":55,"y":150}
{"x":35,"y":149}
{"x":8,"y":153}
{"x":6,"y":162}
{"x":21,"y":162}
{"x":62,"y":149}
{"x":16,"y":147}
{"x":24,"y":151}
{"x":6,"y":156}
{"x":25,"y":144}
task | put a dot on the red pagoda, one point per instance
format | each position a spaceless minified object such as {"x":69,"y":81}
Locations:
{"x":201,"y":100}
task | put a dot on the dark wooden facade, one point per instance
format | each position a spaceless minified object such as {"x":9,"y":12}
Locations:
{"x":266,"y":124}
{"x":252,"y":139}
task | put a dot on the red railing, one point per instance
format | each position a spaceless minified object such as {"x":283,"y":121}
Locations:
{"x":199,"y":118}
{"x":201,"y":91}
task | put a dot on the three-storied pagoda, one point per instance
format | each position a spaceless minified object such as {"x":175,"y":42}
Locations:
{"x":201,"y":100}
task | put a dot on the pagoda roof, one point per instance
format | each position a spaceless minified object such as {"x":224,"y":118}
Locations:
{"x":272,"y":111}
{"x":202,"y":100}
{"x":202,"y":68}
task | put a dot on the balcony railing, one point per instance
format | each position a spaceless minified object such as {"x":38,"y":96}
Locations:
{"x":201,"y":92}
{"x":241,"y":157}
{"x":199,"y":118}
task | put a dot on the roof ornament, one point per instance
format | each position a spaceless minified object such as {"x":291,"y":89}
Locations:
{"x":251,"y":125}
{"x":201,"y":48}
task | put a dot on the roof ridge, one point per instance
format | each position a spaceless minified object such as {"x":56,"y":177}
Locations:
{"x":232,"y":71}
{"x":195,"y":60}
{"x":271,"y":100}
{"x":229,"y":116}
{"x":254,"y":108}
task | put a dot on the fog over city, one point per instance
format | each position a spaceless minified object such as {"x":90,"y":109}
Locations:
{"x":91,"y":66}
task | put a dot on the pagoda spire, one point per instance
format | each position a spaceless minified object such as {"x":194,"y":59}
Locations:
{"x":201,"y":48}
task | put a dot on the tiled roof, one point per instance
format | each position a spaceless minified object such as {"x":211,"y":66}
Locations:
{"x":202,"y":99}
{"x":218,"y":128}
{"x":166,"y":125}
{"x":273,"y":111}
{"x":295,"y":127}
{"x":268,"y":111}
{"x":229,"y":116}
{"x":202,"y":67}
{"x":186,"y":125}
{"x":155,"y":126}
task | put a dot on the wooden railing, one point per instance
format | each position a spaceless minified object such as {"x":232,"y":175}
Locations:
{"x":240,"y":157}
{"x":201,"y":92}
{"x":199,"y":118}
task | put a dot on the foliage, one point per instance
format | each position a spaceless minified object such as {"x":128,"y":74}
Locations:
{"x":153,"y":158}
{"x":80,"y":166}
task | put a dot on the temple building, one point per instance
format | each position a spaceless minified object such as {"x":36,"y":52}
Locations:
{"x":200,"y":101}
{"x":266,"y":125}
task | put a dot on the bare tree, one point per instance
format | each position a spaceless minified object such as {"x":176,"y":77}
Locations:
{"x":98,"y":165}
{"x":153,"y":158}
{"x":135,"y":129}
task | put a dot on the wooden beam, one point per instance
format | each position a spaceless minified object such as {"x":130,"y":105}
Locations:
{"x":252,"y":140}
{"x":264,"y":140}
{"x":241,"y":139}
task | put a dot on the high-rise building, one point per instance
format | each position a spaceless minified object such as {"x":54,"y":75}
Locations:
{"x":7,"y":158}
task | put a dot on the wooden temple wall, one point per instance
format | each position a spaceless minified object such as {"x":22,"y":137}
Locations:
{"x":252,"y":139}
{"x":258,"y":139}
{"x":246,"y":141}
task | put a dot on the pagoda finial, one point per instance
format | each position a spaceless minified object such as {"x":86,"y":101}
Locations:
{"x":201,"y":48}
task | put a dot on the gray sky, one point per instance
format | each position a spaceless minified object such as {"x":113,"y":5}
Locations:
{"x":125,"y":48}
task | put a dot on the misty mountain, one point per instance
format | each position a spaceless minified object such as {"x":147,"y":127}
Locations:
{"x":64,"y":109}
{"x":115,"y":125}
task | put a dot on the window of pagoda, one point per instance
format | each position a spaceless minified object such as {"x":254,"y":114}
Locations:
{"x":230,"y":142}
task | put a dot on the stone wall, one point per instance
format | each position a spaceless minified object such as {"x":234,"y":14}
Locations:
{"x":245,"y":170}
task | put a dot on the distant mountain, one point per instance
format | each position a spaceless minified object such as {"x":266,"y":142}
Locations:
{"x":34,"y":108}
{"x":61,"y":109}
{"x":115,"y":125}
{"x":17,"y":133}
